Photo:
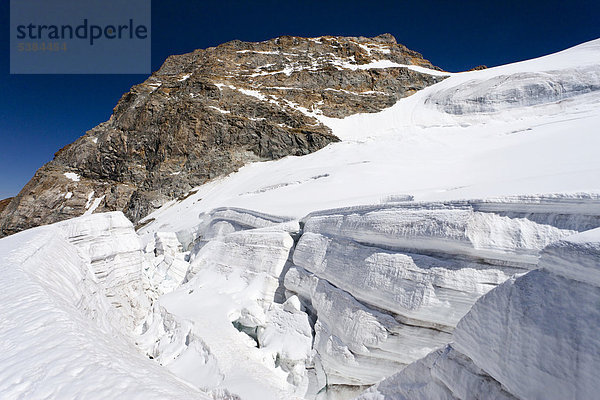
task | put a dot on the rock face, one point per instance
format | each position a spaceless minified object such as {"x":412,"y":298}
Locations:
{"x":4,"y":203}
{"x":205,"y":114}
{"x":479,"y":68}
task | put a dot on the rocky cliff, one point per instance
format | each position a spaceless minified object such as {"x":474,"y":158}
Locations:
{"x":205,"y":114}
{"x":4,"y":203}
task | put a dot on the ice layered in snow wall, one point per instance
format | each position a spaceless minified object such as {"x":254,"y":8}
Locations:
{"x":388,"y":284}
{"x":533,"y":337}
{"x":67,"y":289}
{"x":328,"y":306}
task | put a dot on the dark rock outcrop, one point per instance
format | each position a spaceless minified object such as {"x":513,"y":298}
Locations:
{"x":4,"y":203}
{"x":479,"y":68}
{"x":205,"y":114}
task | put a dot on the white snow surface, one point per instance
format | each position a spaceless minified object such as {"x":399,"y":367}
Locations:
{"x":378,"y":64}
{"x":93,"y":205}
{"x":72,"y":176}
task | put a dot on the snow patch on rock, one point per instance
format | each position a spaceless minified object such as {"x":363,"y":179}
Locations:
{"x":72,"y":176}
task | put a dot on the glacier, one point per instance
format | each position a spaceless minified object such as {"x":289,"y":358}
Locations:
{"x":446,"y":248}
{"x":534,"y":336}
{"x":389,"y":283}
{"x":61,"y":332}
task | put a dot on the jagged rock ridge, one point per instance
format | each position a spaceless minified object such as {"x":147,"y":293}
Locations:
{"x":206,"y":113}
{"x":4,"y":203}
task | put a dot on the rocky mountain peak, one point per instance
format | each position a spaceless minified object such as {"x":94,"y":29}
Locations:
{"x":206,"y":113}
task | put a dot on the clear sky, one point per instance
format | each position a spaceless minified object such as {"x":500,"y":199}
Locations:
{"x":39,"y":114}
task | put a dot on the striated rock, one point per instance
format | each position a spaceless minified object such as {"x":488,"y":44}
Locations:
{"x":4,"y":203}
{"x":479,"y":68}
{"x":205,"y":114}
{"x":53,"y":195}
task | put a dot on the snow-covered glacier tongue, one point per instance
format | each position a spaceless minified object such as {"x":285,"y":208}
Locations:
{"x":533,"y":337}
{"x":270,"y":307}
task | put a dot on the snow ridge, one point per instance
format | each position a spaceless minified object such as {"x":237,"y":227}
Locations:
{"x":58,"y":328}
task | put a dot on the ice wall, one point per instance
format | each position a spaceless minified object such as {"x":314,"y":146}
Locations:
{"x":533,"y":337}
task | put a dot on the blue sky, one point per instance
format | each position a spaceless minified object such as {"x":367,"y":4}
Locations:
{"x":39,"y":114}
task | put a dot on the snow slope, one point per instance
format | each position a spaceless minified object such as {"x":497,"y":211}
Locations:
{"x":532,"y":337}
{"x":316,"y":276}
{"x":59,"y":337}
{"x":516,"y":139}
